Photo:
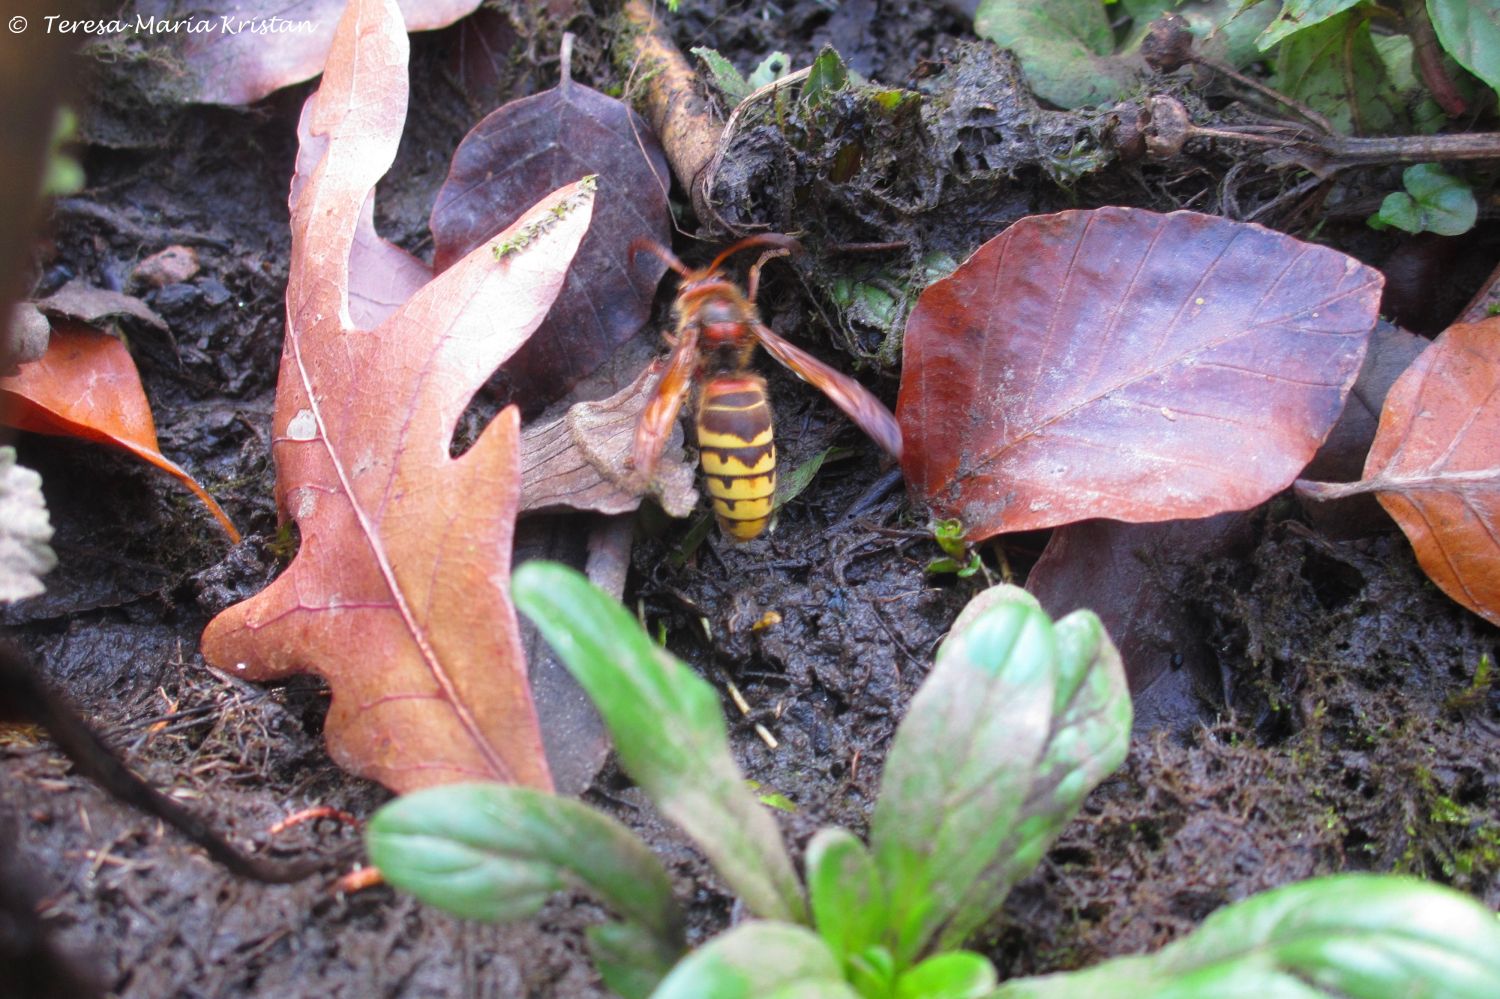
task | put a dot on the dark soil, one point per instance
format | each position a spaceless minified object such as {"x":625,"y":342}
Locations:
{"x":1345,"y":729}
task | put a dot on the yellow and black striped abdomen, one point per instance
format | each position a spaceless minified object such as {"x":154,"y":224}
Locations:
{"x":738,"y":452}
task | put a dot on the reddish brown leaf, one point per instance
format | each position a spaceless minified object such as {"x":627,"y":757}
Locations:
{"x":87,"y":386}
{"x":399,"y":592}
{"x":517,"y":154}
{"x":1123,"y":364}
{"x":236,"y":52}
{"x":1435,"y":463}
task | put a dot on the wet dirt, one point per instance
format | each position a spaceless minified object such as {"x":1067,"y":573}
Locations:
{"x":1350,"y":726}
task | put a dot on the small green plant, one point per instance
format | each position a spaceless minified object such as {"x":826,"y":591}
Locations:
{"x":958,"y":557}
{"x":1018,"y":720}
{"x":1433,"y":201}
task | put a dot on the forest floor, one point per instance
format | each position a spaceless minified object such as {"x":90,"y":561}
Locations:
{"x":1337,"y":727}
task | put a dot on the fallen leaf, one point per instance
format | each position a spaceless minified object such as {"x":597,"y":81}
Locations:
{"x":1134,"y":576}
{"x":87,"y":386}
{"x":399,"y":594}
{"x":236,"y":52}
{"x":382,"y":275}
{"x":517,"y":154}
{"x":1124,"y":364}
{"x":578,"y":461}
{"x":1435,"y":464}
{"x":83,"y":302}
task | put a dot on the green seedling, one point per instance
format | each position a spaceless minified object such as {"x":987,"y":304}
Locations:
{"x":1433,"y":201}
{"x":1019,"y":719}
{"x":958,"y":557}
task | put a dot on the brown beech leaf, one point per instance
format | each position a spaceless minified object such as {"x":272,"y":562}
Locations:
{"x":399,"y":593}
{"x":1124,"y":364}
{"x":1435,"y":463}
{"x":527,"y":148}
{"x":86,"y":385}
{"x":237,"y":51}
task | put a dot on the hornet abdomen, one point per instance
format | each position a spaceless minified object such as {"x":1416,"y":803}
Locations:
{"x":738,"y":452}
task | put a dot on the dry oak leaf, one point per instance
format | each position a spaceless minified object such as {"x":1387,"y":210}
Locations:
{"x":86,"y":385}
{"x":399,"y":593}
{"x":1125,"y":364}
{"x":1435,"y":463}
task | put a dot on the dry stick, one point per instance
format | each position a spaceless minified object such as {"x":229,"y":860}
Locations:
{"x":670,"y":100}
{"x":1322,"y":154}
{"x":1171,"y":46}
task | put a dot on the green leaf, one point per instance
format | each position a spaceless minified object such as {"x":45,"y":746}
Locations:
{"x":848,"y":904}
{"x":1469,"y":31}
{"x":631,"y":960}
{"x":1349,"y":936}
{"x":1297,"y":15}
{"x":959,"y":974}
{"x":668,"y":728}
{"x":759,"y":960}
{"x":729,"y":80}
{"x":1422,"y":111}
{"x":961,"y":766}
{"x":1066,"y":48}
{"x":792,"y":484}
{"x":1017,"y":722}
{"x":772,"y":68}
{"x":1334,"y":68}
{"x":1089,"y":738}
{"x":872,"y":971}
{"x":496,"y":852}
{"x":827,"y":76}
{"x":1432,"y":202}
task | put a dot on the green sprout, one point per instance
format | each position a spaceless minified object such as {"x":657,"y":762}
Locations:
{"x":959,"y":559}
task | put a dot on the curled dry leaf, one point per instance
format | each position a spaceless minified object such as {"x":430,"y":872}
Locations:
{"x":1435,"y":464}
{"x":83,"y":302}
{"x":398,"y":594}
{"x":578,"y":461}
{"x":87,"y":386}
{"x":235,"y":52}
{"x":1124,"y":364}
{"x":515,"y":156}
